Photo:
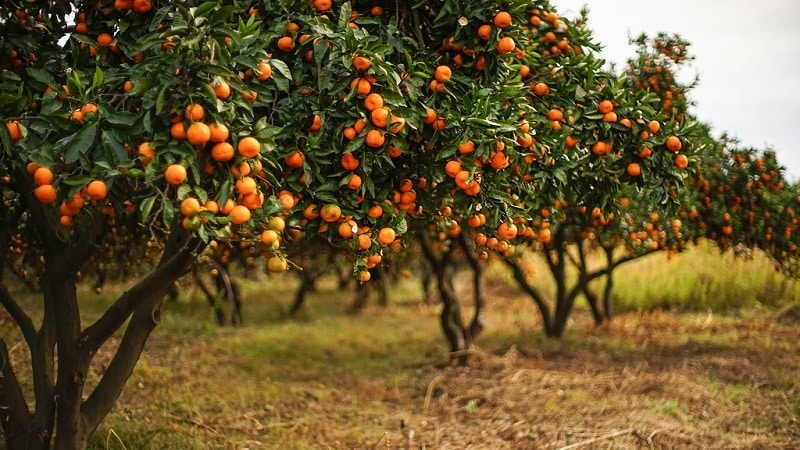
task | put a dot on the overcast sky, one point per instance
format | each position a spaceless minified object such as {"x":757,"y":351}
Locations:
{"x":747,"y":55}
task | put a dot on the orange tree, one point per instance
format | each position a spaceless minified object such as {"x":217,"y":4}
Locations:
{"x":275,"y":123}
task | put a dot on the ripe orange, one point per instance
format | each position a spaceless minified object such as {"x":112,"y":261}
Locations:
{"x":295,"y":159}
{"x":349,"y":162}
{"x":194,"y":112}
{"x":386,"y":236}
{"x":361,"y":85}
{"x":178,"y":131}
{"x":364,"y":242}
{"x":506,"y":45}
{"x":198,"y":133}
{"x":14,"y":130}
{"x":605,"y":106}
{"x":361,"y":62}
{"x":502,"y":19}
{"x":222,"y":151}
{"x":221,"y":89}
{"x":286,"y":199}
{"x":43,"y":175}
{"x":654,"y":126}
{"x":264,"y":71}
{"x":269,"y":237}
{"x":430,"y":116}
{"x":634,"y":169}
{"x":219,"y":132}
{"x":555,"y":115}
{"x":681,"y":161}
{"x":97,"y":189}
{"x":541,"y":89}
{"x":249,"y":147}
{"x":364,"y":276}
{"x":442,"y":73}
{"x":610,"y":116}
{"x":485,"y":31}
{"x":380,"y":117}
{"x":175,"y":174}
{"x":286,"y":43}
{"x":104,"y":39}
{"x":674,"y":144}
{"x":375,"y":211}
{"x":190,"y":207}
{"x":397,"y":124}
{"x":600,"y":148}
{"x":374,"y":138}
{"x":246,"y":185}
{"x":45,"y":193}
{"x":355,"y":181}
{"x":330,"y":212}
{"x":250,"y":97}
{"x":507,"y":230}
{"x":311,"y":212}
{"x":465,"y":147}
{"x":240,"y":214}
{"x":373,"y":101}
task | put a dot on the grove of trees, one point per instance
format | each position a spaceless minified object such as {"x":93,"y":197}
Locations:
{"x":141,"y":135}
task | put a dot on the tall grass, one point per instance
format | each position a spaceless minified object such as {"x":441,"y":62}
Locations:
{"x":701,"y":278}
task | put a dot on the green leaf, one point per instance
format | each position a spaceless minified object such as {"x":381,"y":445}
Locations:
{"x":204,"y":8}
{"x":72,"y":147}
{"x":146,"y":207}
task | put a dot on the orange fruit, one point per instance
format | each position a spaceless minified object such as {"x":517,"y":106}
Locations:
{"x":219,"y":132}
{"x":345,"y":229}
{"x":190,"y":207}
{"x":373,"y":101}
{"x":222,"y":151}
{"x":375,"y":211}
{"x":264,"y":71}
{"x":349,"y":162}
{"x":555,"y":115}
{"x":361,"y":86}
{"x":374,"y":138}
{"x":250,"y":97}
{"x":465,"y":147}
{"x":45,"y":193}
{"x":485,"y":31}
{"x":269,"y":237}
{"x":104,"y":39}
{"x":654,"y":126}
{"x":634,"y":169}
{"x":397,"y":124}
{"x":541,"y":89}
{"x":442,"y":73}
{"x":198,"y":133}
{"x":249,"y":147}
{"x":286,"y":43}
{"x":380,"y":117}
{"x":14,"y":130}
{"x":89,"y":108}
{"x":507,"y":230}
{"x":311,"y":212}
{"x":194,"y":112}
{"x":178,"y":131}
{"x":386,"y":235}
{"x":330,"y":212}
{"x":175,"y":174}
{"x":605,"y":106}
{"x":674,"y":144}
{"x":681,"y":161}
{"x":240,"y":214}
{"x":506,"y":45}
{"x":355,"y":181}
{"x":97,"y":189}
{"x":361,"y":62}
{"x":246,"y":185}
{"x":221,"y":89}
{"x":295,"y":159}
{"x":43,"y":175}
{"x":502,"y":19}
{"x":277,"y":264}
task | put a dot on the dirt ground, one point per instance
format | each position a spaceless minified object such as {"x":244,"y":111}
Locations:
{"x":649,"y":380}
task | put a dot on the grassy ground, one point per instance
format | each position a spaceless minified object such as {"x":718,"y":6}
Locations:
{"x":379,"y":380}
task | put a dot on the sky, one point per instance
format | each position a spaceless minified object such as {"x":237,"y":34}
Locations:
{"x":747,"y":55}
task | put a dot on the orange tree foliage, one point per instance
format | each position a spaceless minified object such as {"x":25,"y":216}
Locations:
{"x":166,"y":125}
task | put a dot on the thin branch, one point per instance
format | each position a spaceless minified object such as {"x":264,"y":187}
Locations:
{"x":597,"y":439}
{"x":18,"y":314}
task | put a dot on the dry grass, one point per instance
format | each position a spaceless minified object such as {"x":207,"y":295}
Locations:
{"x":379,"y":381}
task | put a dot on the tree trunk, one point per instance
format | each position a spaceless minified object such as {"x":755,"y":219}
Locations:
{"x":478,"y":322}
{"x":452,"y":324}
{"x":608,"y":301}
